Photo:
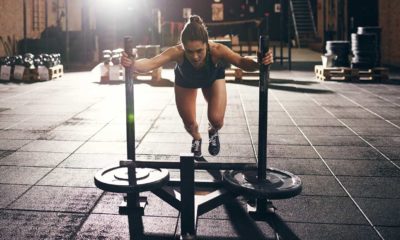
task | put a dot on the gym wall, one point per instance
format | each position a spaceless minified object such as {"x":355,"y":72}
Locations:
{"x":389,"y":20}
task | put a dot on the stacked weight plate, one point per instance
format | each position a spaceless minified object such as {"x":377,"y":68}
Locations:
{"x":365,"y":45}
{"x":377,"y":32}
{"x":341,"y":49}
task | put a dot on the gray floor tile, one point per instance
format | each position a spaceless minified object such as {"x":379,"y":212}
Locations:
{"x":280,"y":151}
{"x":80,"y":126}
{"x":20,"y":134}
{"x":170,"y":128}
{"x":168,"y":138}
{"x":381,"y":168}
{"x":315,"y":231}
{"x":73,"y":135}
{"x":232,"y":222}
{"x":32,"y":125}
{"x":318,"y":122}
{"x":164,"y":148}
{"x":366,"y":122}
{"x":352,"y":113}
{"x":327,"y":131}
{"x":328,"y":140}
{"x":178,"y":148}
{"x":388,"y":112}
{"x":299,"y":166}
{"x":377,"y":131}
{"x":235,"y":129}
{"x":38,"y":225}
{"x":378,"y":211}
{"x":383,"y":141}
{"x":4,"y":154}
{"x":103,"y":147}
{"x":62,"y":199}
{"x":284,"y":140}
{"x":102,"y":226}
{"x":319,"y":113}
{"x":22,"y":175}
{"x":51,"y":146}
{"x":110,"y":202}
{"x":349,"y":152}
{"x":318,"y":209}
{"x":375,"y":187}
{"x":321,"y":186}
{"x":391,"y":152}
{"x":34,"y":159}
{"x":68,"y":177}
{"x":206,"y":229}
{"x":390,"y":233}
{"x":92,"y":160}
{"x":10,"y":192}
{"x":12,"y":144}
{"x":279,"y":130}
{"x":158,"y":208}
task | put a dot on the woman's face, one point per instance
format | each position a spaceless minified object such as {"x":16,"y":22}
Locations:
{"x":195,"y":52}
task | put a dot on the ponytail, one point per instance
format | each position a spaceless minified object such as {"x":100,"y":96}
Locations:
{"x":194,"y":30}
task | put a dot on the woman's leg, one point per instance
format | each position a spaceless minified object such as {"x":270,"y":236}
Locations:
{"x":185,"y":99}
{"x":216,"y":99}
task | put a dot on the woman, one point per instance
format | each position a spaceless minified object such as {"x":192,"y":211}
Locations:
{"x":198,"y":66}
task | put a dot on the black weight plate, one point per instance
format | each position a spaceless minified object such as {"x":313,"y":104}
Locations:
{"x":361,"y":65}
{"x":363,"y":30}
{"x":278,"y":185}
{"x":337,"y":42}
{"x":366,"y":53}
{"x":122,"y":174}
{"x":113,"y":179}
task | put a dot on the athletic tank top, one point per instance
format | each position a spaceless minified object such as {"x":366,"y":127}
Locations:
{"x":189,"y":77}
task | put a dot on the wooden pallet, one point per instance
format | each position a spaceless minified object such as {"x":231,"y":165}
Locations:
{"x":336,"y":73}
{"x":349,"y":74}
{"x":374,"y":74}
{"x":56,"y":72}
{"x":52,"y":73}
{"x":36,"y":74}
{"x":30,"y":75}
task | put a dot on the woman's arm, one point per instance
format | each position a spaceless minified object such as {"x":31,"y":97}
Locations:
{"x":147,"y":64}
{"x":244,"y":63}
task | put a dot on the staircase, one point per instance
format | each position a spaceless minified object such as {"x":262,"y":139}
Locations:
{"x":303,"y":22}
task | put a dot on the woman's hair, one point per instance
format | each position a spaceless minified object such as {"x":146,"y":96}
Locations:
{"x":194,"y":30}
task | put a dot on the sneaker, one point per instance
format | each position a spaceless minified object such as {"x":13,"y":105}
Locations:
{"x":213,"y":146}
{"x":196,"y":148}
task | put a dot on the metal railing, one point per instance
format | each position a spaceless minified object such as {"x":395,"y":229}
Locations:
{"x":294,"y":22}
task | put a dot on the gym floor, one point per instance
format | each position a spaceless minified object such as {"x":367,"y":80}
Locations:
{"x":342,"y":139}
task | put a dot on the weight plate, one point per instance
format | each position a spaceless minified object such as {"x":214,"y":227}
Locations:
{"x":113,"y":179}
{"x":363,"y":30}
{"x":361,"y":65}
{"x":278,"y":184}
{"x":122,"y":174}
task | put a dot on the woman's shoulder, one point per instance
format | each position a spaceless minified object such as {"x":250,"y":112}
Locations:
{"x":175,"y":53}
{"x":178,"y":48}
{"x":175,"y":50}
{"x":217,"y":49}
{"x":214,"y":46}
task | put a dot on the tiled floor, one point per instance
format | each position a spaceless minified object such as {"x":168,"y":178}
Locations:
{"x":342,"y":139}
